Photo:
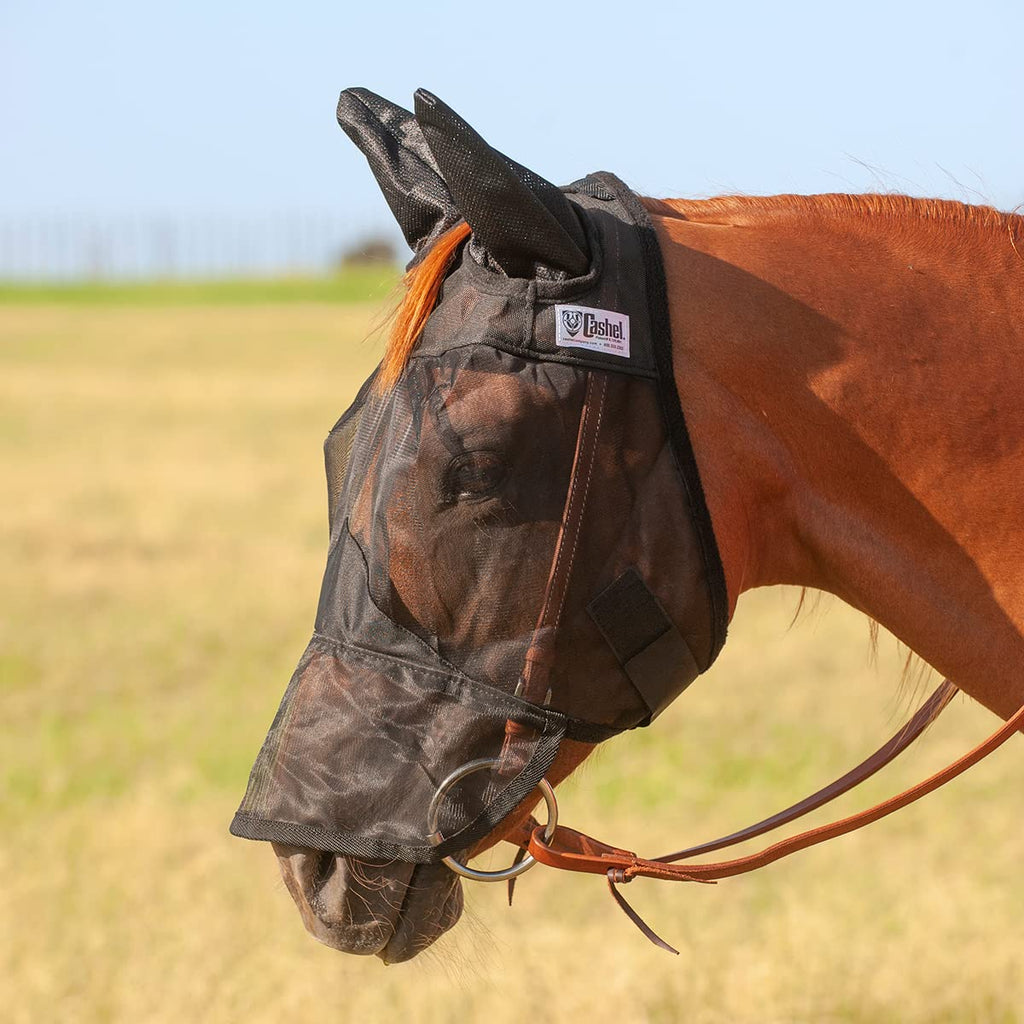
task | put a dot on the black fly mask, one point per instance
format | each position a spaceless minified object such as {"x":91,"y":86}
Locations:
{"x":520,"y":549}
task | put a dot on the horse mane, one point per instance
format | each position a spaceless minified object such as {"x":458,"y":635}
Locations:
{"x":423,"y":282}
{"x":737,"y":209}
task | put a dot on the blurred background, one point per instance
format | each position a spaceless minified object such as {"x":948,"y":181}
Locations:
{"x":194,"y":262}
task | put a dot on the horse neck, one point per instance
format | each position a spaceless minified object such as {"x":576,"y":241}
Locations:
{"x":852,"y":382}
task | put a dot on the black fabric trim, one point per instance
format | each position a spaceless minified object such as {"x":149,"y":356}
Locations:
{"x":662,"y":671}
{"x":628,"y":615}
{"x":652,"y":652}
{"x":247,"y":826}
{"x":675,"y":421}
{"x":589,"y":732}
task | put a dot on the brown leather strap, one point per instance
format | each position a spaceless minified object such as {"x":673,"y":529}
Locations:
{"x":534,"y":679}
{"x":540,"y":656}
{"x":574,"y":851}
{"x":890,"y":750}
{"x":925,"y":715}
{"x":644,"y":927}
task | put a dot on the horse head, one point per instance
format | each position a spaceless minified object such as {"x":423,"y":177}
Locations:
{"x":521,"y":564}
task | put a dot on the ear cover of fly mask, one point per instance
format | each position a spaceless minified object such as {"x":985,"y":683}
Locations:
{"x":392,"y":142}
{"x":520,"y":219}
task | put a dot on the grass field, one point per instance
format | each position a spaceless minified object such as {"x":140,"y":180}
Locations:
{"x":162,"y":535}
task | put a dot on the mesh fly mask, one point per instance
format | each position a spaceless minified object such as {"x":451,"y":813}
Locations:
{"x":520,"y":549}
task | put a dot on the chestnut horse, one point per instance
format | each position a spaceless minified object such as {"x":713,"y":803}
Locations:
{"x":852,"y":374}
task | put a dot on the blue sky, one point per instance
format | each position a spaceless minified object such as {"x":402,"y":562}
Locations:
{"x":113,"y":107}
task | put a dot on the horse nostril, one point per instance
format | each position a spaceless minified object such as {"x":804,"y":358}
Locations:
{"x":323,"y":868}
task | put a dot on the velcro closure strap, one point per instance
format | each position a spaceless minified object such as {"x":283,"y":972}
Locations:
{"x":650,"y":649}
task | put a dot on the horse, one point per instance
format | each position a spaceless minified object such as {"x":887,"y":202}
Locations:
{"x":849,"y":369}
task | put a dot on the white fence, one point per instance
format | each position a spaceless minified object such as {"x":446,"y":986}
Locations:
{"x":70,"y":247}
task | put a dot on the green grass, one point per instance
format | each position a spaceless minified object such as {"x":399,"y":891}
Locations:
{"x":162,"y":537}
{"x":356,"y":284}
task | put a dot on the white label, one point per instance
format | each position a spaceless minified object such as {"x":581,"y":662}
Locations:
{"x":600,"y":330}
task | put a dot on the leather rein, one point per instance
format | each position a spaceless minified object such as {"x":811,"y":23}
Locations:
{"x":570,"y":850}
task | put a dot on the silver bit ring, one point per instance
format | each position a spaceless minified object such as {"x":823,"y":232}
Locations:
{"x":433,"y":812}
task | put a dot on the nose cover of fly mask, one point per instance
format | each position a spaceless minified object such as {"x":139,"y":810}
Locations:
{"x":519,"y":549}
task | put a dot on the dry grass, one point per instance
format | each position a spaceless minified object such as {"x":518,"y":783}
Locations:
{"x":161,"y":536}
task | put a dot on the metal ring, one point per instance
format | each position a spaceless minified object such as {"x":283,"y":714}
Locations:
{"x":548,"y":792}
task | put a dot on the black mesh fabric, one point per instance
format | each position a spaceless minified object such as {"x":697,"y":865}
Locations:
{"x":522,"y":223}
{"x":361,"y":742}
{"x":338,"y":447}
{"x":450,"y":498}
{"x":392,"y":142}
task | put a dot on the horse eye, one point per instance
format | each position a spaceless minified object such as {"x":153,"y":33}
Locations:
{"x":474,"y":475}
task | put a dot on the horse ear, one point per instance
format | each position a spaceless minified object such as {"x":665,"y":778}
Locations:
{"x":393,"y":144}
{"x":520,"y":219}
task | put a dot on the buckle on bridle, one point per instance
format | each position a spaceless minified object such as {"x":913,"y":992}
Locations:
{"x":435,"y":837}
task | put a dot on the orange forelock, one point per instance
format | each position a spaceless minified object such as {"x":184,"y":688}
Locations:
{"x":422,"y":286}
